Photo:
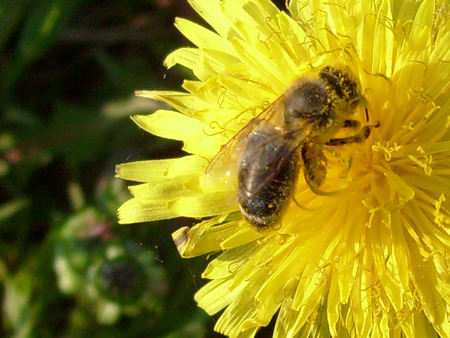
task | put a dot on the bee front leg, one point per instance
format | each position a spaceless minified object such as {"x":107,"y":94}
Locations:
{"x":360,"y":137}
{"x":315,"y":169}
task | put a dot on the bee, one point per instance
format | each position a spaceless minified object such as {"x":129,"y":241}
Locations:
{"x":290,"y":134}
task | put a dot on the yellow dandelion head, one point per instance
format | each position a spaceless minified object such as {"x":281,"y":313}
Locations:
{"x":360,"y":244}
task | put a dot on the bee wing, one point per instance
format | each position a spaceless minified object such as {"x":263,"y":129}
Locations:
{"x":271,"y":153}
{"x":225,"y":165}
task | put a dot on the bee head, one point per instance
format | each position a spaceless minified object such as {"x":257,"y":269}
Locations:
{"x":342,"y":83}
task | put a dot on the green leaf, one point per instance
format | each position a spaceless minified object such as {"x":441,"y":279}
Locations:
{"x":10,"y":15}
{"x":11,"y":208}
{"x":16,"y":304}
{"x":43,"y":26}
{"x":39,"y":33}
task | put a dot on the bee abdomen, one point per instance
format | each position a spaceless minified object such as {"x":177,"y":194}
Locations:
{"x":262,"y":205}
{"x":265,"y":208}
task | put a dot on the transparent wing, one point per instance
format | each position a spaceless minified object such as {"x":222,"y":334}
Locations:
{"x":224,"y":167}
{"x":269,"y":151}
{"x":274,"y":148}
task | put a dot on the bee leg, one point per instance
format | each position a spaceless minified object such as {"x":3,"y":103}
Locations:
{"x":361,"y":136}
{"x":315,"y":167}
{"x":351,"y":124}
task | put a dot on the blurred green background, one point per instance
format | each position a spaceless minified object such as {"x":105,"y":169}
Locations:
{"x":68,"y":71}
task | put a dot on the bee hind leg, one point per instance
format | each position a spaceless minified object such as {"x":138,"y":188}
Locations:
{"x":315,"y":169}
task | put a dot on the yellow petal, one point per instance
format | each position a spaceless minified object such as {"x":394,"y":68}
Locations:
{"x":148,"y":171}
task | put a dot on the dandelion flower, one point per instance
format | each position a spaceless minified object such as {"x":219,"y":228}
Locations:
{"x":371,"y":259}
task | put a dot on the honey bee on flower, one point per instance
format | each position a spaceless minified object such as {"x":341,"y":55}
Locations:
{"x":370,"y":261}
{"x":290,"y":134}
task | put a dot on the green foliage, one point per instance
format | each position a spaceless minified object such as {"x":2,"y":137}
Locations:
{"x":68,"y":70}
